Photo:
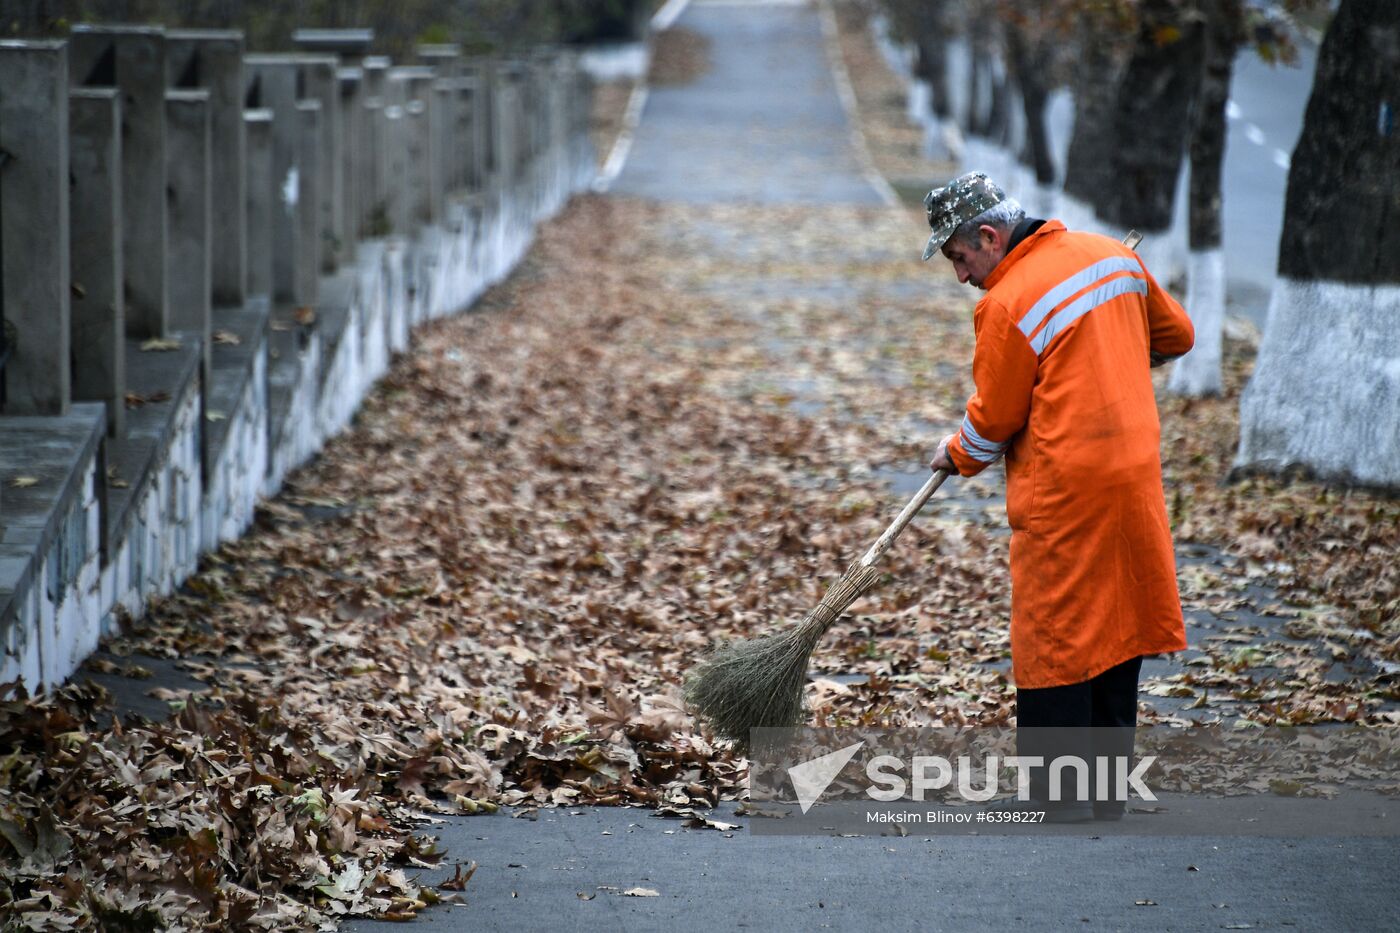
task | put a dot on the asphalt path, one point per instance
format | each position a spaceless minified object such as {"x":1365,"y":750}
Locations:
{"x":763,"y":125}
{"x":571,"y":869}
{"x":766,"y":126}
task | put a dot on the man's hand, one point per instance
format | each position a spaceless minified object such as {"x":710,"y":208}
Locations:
{"x":941,"y":460}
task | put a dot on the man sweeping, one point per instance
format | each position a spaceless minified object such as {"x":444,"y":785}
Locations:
{"x":1066,"y":333}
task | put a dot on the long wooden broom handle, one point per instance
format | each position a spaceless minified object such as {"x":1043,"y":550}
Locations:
{"x":883,"y":544}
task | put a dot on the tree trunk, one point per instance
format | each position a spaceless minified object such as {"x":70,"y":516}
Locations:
{"x":933,"y":68}
{"x":973,"y":122}
{"x":999,"y":113}
{"x":1198,"y":373}
{"x":1326,"y":386}
{"x":1151,"y":118}
{"x":978,"y":75}
{"x":1027,"y":60}
{"x":1223,"y":37}
{"x":1342,"y":184}
{"x":1088,"y":164}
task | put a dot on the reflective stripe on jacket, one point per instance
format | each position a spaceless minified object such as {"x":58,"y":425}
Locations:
{"x":1061,"y":368}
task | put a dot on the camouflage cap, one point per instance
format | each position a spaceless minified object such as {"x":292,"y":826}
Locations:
{"x":957,"y":202}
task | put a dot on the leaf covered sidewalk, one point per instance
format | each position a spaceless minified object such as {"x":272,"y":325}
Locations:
{"x":671,"y":426}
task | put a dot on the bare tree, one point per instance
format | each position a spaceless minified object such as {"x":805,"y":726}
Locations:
{"x":927,"y":26}
{"x":1198,"y":373}
{"x":931,"y":62}
{"x":1101,"y":42}
{"x":1152,"y":117}
{"x":1028,"y":35}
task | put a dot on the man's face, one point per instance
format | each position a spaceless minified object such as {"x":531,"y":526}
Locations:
{"x":973,"y":262}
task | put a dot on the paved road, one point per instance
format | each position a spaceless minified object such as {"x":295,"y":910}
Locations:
{"x":764,"y":126}
{"x":1266,"y":116}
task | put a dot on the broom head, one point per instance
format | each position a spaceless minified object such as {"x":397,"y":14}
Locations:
{"x":758,"y":682}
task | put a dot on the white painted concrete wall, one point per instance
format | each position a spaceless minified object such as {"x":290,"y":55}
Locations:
{"x":236,"y":479}
{"x":476,"y":246}
{"x":300,"y":435}
{"x":51,"y":638}
{"x":162,"y":545}
{"x":345,"y":384}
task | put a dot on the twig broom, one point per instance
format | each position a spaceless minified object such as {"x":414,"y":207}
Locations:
{"x":758,"y":682}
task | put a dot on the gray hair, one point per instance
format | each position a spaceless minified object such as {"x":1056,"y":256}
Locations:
{"x":1004,"y":216}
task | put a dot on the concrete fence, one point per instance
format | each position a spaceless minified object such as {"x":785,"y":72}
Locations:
{"x":207,"y":258}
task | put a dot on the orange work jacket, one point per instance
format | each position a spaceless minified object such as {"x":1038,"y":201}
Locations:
{"x":1064,"y":393}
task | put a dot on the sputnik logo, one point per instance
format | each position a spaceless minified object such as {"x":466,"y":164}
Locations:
{"x":811,"y":778}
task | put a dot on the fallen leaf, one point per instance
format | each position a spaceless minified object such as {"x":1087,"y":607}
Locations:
{"x":460,"y":876}
{"x":136,"y":399}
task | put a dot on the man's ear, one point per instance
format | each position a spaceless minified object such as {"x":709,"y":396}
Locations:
{"x":989,"y":236}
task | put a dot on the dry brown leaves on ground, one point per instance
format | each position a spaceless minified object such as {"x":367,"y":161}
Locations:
{"x":679,"y":56}
{"x":675,"y":424}
{"x":606,"y":117}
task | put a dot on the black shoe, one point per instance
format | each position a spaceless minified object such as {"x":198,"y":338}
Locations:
{"x":1073,"y":812}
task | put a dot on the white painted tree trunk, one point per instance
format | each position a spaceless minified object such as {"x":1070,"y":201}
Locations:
{"x":1077,"y":215}
{"x":1326,"y":389}
{"x":1163,"y":253}
{"x":917,"y":102}
{"x":943,"y":141}
{"x":1198,"y":372}
{"x":980,"y":155}
{"x":615,"y":62}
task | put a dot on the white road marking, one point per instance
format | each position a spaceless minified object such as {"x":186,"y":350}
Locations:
{"x":668,"y":14}
{"x":617,"y":158}
{"x":1254,"y":134}
{"x":1282,"y":159}
{"x":1232,"y":110}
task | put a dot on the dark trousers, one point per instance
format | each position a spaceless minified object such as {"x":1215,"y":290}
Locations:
{"x":1091,"y":720}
